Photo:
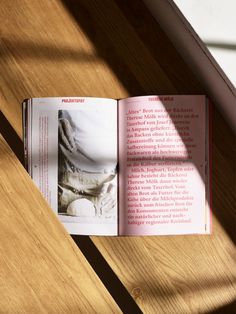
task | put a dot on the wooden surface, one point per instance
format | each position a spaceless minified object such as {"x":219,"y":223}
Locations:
{"x":104,"y":49}
{"x":41,"y":269}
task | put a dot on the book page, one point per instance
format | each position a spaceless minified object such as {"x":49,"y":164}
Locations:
{"x":162,"y":159}
{"x":73,"y":144}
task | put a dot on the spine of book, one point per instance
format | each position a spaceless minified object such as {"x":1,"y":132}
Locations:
{"x":25,"y":133}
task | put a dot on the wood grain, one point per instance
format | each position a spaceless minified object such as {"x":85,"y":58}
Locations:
{"x":41,"y":269}
{"x":116,"y":49}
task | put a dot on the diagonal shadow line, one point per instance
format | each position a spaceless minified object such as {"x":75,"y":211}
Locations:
{"x":106,"y":274}
{"x":11,"y":137}
{"x":225,"y":309}
{"x":115,"y":287}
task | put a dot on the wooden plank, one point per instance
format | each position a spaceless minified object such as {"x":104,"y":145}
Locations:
{"x":44,"y":52}
{"x":192,"y":274}
{"x":41,"y":269}
{"x":115,"y":49}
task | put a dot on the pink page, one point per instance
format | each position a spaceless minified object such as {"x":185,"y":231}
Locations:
{"x":162,"y":159}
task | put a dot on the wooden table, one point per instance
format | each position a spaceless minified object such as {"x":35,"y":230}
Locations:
{"x":104,"y":49}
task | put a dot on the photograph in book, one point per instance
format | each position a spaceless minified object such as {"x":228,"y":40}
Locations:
{"x":71,"y":154}
{"x":87,"y":166}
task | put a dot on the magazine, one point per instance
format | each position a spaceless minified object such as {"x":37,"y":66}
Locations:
{"x":135,"y":166}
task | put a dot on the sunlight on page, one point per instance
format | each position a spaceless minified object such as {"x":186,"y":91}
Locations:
{"x":162,"y":165}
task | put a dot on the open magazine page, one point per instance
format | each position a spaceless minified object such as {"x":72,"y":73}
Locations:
{"x":73,"y":160}
{"x":162,"y":161}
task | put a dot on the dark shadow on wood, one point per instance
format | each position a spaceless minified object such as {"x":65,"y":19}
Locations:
{"x":106,"y":274}
{"x":106,"y":27}
{"x":225,"y":309}
{"x":11,"y":138}
{"x":223,"y":174}
{"x":160,"y":47}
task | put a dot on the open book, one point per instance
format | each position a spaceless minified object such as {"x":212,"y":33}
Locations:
{"x":136,"y":166}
